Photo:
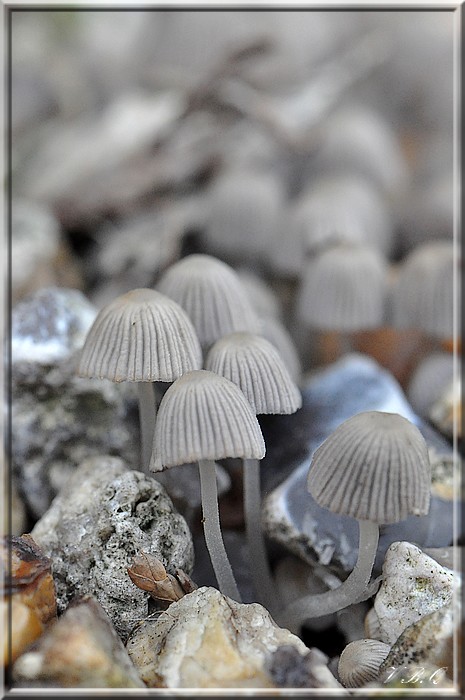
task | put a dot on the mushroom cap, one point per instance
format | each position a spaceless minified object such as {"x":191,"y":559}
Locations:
{"x":360,"y":661}
{"x":204,"y":416}
{"x":141,"y":336}
{"x":423,"y":296}
{"x":256,"y":367}
{"x":374,"y":466}
{"x":212,"y":295}
{"x":344,"y":289}
{"x":273,"y":330}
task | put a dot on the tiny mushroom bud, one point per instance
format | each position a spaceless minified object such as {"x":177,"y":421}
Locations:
{"x":360,"y":662}
{"x":375,"y":468}
{"x":204,"y":417}
{"x":255,"y":366}
{"x":141,"y":336}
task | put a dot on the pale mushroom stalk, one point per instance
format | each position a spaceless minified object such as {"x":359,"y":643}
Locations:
{"x":260,"y":570}
{"x":212,"y":530}
{"x":353,"y":590}
{"x":147,"y":417}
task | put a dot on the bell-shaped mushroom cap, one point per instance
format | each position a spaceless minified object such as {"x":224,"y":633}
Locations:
{"x":344,"y":289}
{"x":212,"y":295}
{"x":256,"y":367}
{"x":244,"y":212}
{"x":360,"y":662}
{"x":204,"y":416}
{"x":141,"y":336}
{"x":429,"y":381}
{"x":374,"y":466}
{"x":424,"y":292}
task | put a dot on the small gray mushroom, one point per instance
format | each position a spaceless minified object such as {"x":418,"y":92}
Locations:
{"x":360,"y":662}
{"x":212,"y":295}
{"x":375,"y":468}
{"x":201,"y":418}
{"x":255,"y":366}
{"x":141,"y":336}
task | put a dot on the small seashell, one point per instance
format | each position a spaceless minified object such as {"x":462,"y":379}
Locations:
{"x":211,"y":293}
{"x":204,"y":416}
{"x":423,"y":296}
{"x":360,"y":661}
{"x":255,"y":366}
{"x":343,"y":289}
{"x":141,"y":336}
{"x":374,"y":466}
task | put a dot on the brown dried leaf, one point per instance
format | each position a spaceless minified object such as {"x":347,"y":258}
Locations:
{"x":148,"y":573}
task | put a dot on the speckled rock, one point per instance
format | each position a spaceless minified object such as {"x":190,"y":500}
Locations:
{"x":206,"y":640}
{"x":58,"y":418}
{"x":354,"y":384}
{"x":413,"y":586}
{"x":104,"y":515}
{"x":429,"y":641}
{"x":81,"y":650}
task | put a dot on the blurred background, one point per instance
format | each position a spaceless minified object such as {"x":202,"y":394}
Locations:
{"x":263,"y":138}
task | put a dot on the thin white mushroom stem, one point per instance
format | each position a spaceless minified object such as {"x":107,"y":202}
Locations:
{"x":353,"y":590}
{"x":265,"y":588}
{"x":147,"y":417}
{"x":212,"y":530}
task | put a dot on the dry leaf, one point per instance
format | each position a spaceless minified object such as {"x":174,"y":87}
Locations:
{"x":148,"y":573}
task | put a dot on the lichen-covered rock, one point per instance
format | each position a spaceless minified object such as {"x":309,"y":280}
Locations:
{"x":81,"y":650}
{"x":206,"y":640}
{"x":58,"y":418}
{"x":100,"y":520}
{"x":413,"y":586}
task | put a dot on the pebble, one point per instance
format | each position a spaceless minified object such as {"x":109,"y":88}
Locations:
{"x":103,"y":516}
{"x":29,"y":595}
{"x":291,"y":517}
{"x":81,"y":650}
{"x":413,"y":586}
{"x":206,"y":640}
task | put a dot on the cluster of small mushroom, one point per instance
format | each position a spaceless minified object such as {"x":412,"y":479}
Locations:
{"x":199,"y":332}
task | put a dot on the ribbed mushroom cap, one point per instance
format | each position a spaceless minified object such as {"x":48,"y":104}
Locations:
{"x":273,"y":330}
{"x":424,"y":293}
{"x":204,"y":416}
{"x":256,"y":367}
{"x":212,"y":295}
{"x":360,"y":661}
{"x":374,"y":466}
{"x":344,"y":289}
{"x":141,"y":336}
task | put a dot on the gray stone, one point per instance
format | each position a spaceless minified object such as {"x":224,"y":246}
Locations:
{"x":103,"y":516}
{"x":58,"y":418}
{"x":289,"y":669}
{"x":291,"y":516}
